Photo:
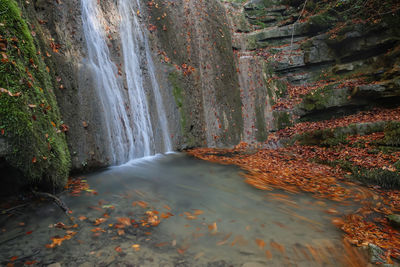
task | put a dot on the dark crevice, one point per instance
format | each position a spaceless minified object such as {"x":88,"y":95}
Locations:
{"x":362,"y":55}
{"x":308,"y":67}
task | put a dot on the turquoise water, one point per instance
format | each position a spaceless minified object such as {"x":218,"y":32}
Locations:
{"x":218,"y":221}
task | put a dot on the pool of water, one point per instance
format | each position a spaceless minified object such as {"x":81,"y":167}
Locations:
{"x":218,"y":220}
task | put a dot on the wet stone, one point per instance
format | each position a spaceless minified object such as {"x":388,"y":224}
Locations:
{"x":394,"y":219}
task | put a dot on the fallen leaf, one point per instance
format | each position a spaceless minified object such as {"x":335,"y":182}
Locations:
{"x":260,"y":243}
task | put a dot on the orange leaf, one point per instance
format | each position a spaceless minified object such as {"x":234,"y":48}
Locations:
{"x":268,"y":254}
{"x":213,"y":227}
{"x":338,"y":222}
{"x":260,"y":243}
{"x":198,"y":212}
{"x":125,"y":221}
{"x":278,"y":246}
{"x":118,"y":249}
{"x":142,"y":204}
{"x":162,"y":244}
{"x":100,"y":221}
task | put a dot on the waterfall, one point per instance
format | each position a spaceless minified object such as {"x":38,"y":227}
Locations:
{"x":126,"y":112}
{"x":132,"y":38}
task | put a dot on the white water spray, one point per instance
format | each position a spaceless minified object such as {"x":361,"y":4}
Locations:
{"x":126,"y":112}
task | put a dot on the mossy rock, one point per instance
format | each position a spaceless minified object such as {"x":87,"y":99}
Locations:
{"x":394,"y":219}
{"x":323,"y":98}
{"x":29,"y":115}
{"x":392,"y":134}
{"x":321,"y":22}
{"x":336,"y":136}
{"x":383,"y":178}
{"x":282,"y":119}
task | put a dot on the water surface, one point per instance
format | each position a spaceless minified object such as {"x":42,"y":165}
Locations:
{"x":218,"y":221}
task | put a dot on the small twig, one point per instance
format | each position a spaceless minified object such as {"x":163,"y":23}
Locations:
{"x":13,"y":208}
{"x":56,"y":200}
{"x":294,"y":26}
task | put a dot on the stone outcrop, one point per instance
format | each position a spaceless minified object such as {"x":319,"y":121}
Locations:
{"x":194,"y":42}
{"x":33,"y":149}
{"x":351,"y":66}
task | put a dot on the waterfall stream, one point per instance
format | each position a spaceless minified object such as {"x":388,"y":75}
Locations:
{"x":126,"y":110}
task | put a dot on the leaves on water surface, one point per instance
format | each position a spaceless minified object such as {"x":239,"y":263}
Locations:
{"x":260,"y":243}
{"x":277,"y":246}
{"x":142,"y":204}
{"x":166,"y":215}
{"x":57,"y":241}
{"x":213,"y":228}
{"x":197,"y":212}
{"x":99,"y":221}
{"x":125,"y":221}
{"x":268,"y":254}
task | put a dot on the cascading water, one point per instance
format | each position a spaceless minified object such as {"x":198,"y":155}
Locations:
{"x":126,"y":112}
{"x":133,"y":38}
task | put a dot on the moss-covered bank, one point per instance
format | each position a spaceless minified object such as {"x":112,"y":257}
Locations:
{"x":30,"y":121}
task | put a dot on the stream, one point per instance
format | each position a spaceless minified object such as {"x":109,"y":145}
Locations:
{"x":218,"y":220}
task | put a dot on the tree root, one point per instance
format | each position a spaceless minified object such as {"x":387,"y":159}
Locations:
{"x":56,"y":200}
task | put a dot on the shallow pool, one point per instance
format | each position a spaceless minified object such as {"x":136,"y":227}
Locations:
{"x":218,"y":220}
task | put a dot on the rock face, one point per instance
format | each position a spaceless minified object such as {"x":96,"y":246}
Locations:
{"x":193,"y":41}
{"x":319,"y":64}
{"x":227,"y":71}
{"x":394,"y":219}
{"x":196,"y":74}
{"x":33,"y":149}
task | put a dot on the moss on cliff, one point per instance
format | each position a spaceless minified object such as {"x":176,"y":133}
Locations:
{"x":177,"y":92}
{"x":29,"y":115}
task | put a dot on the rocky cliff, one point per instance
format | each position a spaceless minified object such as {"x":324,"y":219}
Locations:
{"x":33,"y":149}
{"x":228,"y":71}
{"x":320,"y":60}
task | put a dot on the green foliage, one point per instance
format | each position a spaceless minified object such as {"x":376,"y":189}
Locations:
{"x":31,"y":120}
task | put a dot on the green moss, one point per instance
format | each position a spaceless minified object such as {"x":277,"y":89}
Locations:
{"x":174,"y":78}
{"x":251,"y":42}
{"x":392,"y":134}
{"x":321,"y":22}
{"x":325,"y":137}
{"x":383,"y":178}
{"x":30,"y":121}
{"x":282,"y":119}
{"x":318,"y":99}
{"x":275,"y":88}
{"x":260,"y":124}
{"x":336,"y":136}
